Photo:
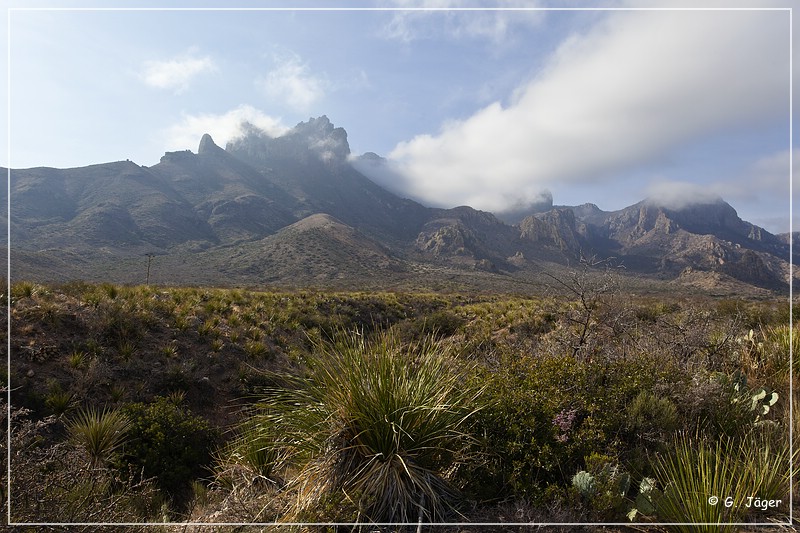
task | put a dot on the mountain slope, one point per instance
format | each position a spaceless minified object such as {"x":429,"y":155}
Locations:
{"x":316,"y":249}
{"x":708,"y":236}
{"x":294,"y":210}
{"x":117,"y":205}
{"x":310,"y":163}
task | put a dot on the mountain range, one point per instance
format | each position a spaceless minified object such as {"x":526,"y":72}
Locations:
{"x":295,"y":211}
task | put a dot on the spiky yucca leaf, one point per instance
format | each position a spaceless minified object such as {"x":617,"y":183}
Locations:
{"x":375,"y":426}
{"x":728,"y":469}
{"x":100,"y":432}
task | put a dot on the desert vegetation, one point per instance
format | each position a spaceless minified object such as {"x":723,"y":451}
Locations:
{"x":588,"y":404}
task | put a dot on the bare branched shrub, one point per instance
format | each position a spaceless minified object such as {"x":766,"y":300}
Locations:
{"x":594,"y":316}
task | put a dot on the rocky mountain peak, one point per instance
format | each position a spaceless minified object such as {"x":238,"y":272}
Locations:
{"x":370,"y":156}
{"x":712,"y":216}
{"x":207,"y":145}
{"x":320,"y":136}
{"x":316,"y":138}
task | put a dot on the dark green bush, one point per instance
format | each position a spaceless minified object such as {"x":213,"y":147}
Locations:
{"x":169,"y":443}
{"x":548,"y":412}
{"x":536,"y":432}
{"x":651,"y":418}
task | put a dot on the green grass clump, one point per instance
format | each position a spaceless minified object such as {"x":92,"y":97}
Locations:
{"x":59,"y":401}
{"x":371,"y":430}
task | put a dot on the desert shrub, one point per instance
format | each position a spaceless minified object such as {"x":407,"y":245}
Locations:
{"x":370,"y":431}
{"x":603,"y":488}
{"x":59,"y":401}
{"x":651,"y":311}
{"x":167,"y":442}
{"x":549,"y":412}
{"x":752,"y":315}
{"x":23,"y":289}
{"x":721,"y":404}
{"x":363,"y":312}
{"x":111,"y":291}
{"x":256,"y":349}
{"x":118,"y":323}
{"x":651,"y":418}
{"x":775,"y":349}
{"x":649,"y":421}
{"x":248,"y":461}
{"x":539,"y":324}
{"x":77,"y":359}
{"x":442,"y":323}
{"x":534,"y":436}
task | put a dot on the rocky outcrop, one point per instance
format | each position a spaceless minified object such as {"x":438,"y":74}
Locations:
{"x":556,"y":228}
{"x":320,"y":136}
{"x":208,"y":147}
{"x":317,"y":138}
{"x":446,"y":239}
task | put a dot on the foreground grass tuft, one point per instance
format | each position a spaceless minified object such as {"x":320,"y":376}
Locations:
{"x":736,"y":472}
{"x":371,"y":431}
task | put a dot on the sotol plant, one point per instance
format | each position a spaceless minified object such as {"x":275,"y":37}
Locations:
{"x":697,"y":469}
{"x":371,"y":429}
{"x":100,"y":432}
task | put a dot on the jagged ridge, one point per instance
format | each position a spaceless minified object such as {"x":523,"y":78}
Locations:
{"x":252,"y":195}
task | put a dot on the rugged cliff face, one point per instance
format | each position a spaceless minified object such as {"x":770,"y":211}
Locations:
{"x":708,"y":236}
{"x":317,"y":138}
{"x":557,"y":229}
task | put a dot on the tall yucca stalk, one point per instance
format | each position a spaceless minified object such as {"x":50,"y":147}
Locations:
{"x":374,"y":426}
{"x":99,"y":432}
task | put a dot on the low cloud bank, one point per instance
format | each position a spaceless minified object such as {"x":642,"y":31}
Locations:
{"x":625,"y":94}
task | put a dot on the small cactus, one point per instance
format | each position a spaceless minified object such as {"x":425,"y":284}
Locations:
{"x":762,"y":399}
{"x":584,"y":482}
{"x":646,"y":499}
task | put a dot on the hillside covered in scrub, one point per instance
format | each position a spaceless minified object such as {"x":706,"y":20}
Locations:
{"x":146,"y":404}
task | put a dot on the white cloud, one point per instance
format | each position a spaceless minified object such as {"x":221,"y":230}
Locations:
{"x":627,"y":92}
{"x":175,"y":74}
{"x":760,"y":192}
{"x":766,"y":183}
{"x":292,"y":82}
{"x":415,"y":20}
{"x":222,"y":128}
{"x":679,"y":194}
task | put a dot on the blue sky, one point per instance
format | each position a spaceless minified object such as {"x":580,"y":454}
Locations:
{"x":484,"y":108}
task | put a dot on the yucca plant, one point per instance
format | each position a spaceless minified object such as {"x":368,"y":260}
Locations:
{"x":371,"y":430}
{"x":252,"y":449}
{"x":77,"y":359}
{"x":730,"y":470}
{"x":255,"y":349}
{"x":59,"y":401}
{"x":23,"y":289}
{"x":126,"y":349}
{"x":778,"y":341}
{"x":100,"y":432}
